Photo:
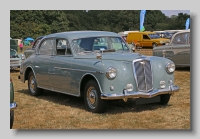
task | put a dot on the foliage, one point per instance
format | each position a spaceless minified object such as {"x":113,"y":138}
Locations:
{"x":35,"y":23}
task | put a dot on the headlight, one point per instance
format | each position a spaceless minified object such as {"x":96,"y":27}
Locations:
{"x":170,"y":67}
{"x":111,"y":73}
{"x":23,"y":57}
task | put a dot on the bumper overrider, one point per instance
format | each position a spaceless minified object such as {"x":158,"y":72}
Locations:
{"x":125,"y":94}
{"x":13,"y":106}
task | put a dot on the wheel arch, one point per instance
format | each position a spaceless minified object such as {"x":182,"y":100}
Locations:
{"x":28,"y":70}
{"x":84,"y":81}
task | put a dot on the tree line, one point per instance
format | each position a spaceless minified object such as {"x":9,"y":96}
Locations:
{"x":35,"y":23}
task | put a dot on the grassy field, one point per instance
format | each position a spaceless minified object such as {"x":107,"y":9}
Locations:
{"x":58,"y":111}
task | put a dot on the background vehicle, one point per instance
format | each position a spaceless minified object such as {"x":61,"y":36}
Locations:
{"x":13,"y":104}
{"x":14,"y":44}
{"x":98,"y":66}
{"x":178,"y":50}
{"x":15,"y":59}
{"x":146,"y":39}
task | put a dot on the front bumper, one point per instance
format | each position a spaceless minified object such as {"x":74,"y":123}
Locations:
{"x":13,"y":106}
{"x":125,"y":95}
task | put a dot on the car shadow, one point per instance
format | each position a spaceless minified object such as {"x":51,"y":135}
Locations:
{"x":112,"y":107}
{"x":183,"y":68}
{"x":14,"y":70}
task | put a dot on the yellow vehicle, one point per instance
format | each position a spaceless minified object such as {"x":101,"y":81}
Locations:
{"x":146,"y":39}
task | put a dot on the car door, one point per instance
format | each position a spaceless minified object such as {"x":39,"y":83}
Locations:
{"x":41,"y":63}
{"x":146,"y":41}
{"x":60,"y":64}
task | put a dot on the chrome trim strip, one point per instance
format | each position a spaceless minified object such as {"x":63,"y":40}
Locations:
{"x":101,"y":72}
{"x":13,"y":106}
{"x":125,"y":95}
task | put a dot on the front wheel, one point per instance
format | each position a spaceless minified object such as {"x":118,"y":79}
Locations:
{"x":164,"y":99}
{"x":32,"y":85}
{"x":92,"y":98}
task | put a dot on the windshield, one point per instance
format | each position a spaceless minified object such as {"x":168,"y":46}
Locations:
{"x":96,"y":44}
{"x":12,"y":52}
{"x":154,"y":36}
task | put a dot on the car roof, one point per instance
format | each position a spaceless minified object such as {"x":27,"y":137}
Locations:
{"x":82,"y":34}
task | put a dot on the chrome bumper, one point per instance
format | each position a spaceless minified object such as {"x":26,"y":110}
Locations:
{"x":13,"y":106}
{"x":125,"y":95}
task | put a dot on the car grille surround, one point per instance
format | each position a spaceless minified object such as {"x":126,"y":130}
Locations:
{"x":143,"y":75}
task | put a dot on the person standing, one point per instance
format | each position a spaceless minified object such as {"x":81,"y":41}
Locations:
{"x":21,"y":46}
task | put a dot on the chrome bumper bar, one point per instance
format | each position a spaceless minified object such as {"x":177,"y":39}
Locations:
{"x":13,"y":106}
{"x":125,"y":95}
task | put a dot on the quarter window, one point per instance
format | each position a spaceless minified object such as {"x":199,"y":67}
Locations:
{"x":46,"y":47}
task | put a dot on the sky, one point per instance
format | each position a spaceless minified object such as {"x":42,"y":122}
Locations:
{"x":174,"y":12}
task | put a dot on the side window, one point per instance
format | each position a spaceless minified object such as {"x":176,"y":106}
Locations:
{"x":46,"y":47}
{"x":181,"y":38}
{"x":62,"y":47}
{"x":145,"y":37}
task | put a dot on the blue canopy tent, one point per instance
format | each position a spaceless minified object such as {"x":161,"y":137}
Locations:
{"x":29,"y":39}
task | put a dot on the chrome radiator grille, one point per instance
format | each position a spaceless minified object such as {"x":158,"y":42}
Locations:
{"x":143,"y":75}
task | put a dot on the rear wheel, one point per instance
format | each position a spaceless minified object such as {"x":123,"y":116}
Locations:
{"x":32,"y":85}
{"x":164,"y":99}
{"x":154,"y":45}
{"x":92,"y":98}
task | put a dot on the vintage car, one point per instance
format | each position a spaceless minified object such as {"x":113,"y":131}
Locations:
{"x":98,"y":66}
{"x":178,"y":50}
{"x":13,"y":104}
{"x":30,"y":51}
{"x":15,"y":59}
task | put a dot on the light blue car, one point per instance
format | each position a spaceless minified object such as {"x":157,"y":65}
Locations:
{"x":98,"y":66}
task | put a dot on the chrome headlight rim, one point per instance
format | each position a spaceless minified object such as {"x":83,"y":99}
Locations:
{"x":170,"y":67}
{"x":111,"y":72}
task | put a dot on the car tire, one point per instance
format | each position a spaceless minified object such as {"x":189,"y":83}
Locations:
{"x":154,"y":45}
{"x":164,"y":99}
{"x":11,"y":119}
{"x":92,"y":98}
{"x":32,"y":85}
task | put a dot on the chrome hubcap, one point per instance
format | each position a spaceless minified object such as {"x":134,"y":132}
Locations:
{"x":91,"y":97}
{"x":32,"y":84}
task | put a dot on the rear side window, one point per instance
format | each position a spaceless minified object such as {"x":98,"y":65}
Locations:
{"x":62,"y":47}
{"x":182,"y":38}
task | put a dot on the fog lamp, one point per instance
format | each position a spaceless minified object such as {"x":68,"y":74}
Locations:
{"x":162,"y":84}
{"x":129,"y":87}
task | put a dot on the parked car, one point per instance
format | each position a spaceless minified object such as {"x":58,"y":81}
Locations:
{"x":30,"y":51}
{"x":13,"y":105}
{"x":14,"y":44}
{"x":98,"y":66}
{"x":146,"y":39}
{"x":15,"y":59}
{"x":178,"y":50}
{"x":167,"y":35}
